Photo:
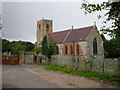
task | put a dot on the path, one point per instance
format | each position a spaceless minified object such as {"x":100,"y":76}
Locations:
{"x":16,"y":76}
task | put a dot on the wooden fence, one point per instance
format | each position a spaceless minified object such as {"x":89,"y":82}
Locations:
{"x":10,"y":59}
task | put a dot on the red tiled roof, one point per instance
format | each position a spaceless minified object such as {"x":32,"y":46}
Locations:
{"x":71,"y":35}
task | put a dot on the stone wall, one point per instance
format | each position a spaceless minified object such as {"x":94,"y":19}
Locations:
{"x":108,"y":66}
{"x":26,"y":57}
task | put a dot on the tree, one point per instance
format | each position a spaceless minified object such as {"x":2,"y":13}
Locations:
{"x":48,"y":49}
{"x":29,"y":46}
{"x":111,"y":47}
{"x":113,"y":15}
{"x":5,"y":45}
{"x":44,"y":46}
{"x":16,"y":46}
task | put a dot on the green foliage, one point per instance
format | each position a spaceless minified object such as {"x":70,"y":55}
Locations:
{"x":48,"y":49}
{"x":5,"y":45}
{"x":29,"y":46}
{"x":16,"y":46}
{"x":111,"y":47}
{"x":37,"y":50}
{"x":86,"y":73}
{"x":44,"y":46}
{"x":103,"y":37}
{"x":113,"y":15}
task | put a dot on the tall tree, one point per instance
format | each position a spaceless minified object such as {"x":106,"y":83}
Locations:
{"x":48,"y":49}
{"x":44,"y":46}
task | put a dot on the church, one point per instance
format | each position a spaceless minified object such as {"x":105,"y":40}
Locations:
{"x":81,"y":42}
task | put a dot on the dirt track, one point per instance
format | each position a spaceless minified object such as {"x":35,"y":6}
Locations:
{"x":66,"y":80}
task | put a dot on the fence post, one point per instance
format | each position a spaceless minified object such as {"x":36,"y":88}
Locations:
{"x":103,"y":66}
{"x":119,"y":67}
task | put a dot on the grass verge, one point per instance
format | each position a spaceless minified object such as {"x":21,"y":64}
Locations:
{"x":86,"y":73}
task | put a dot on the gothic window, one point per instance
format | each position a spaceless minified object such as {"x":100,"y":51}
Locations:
{"x":47,"y":27}
{"x":77,"y":49}
{"x":66,"y":50}
{"x":95,"y":46}
{"x":71,"y":49}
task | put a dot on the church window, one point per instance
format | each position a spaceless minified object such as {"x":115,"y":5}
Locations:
{"x":66,"y":49}
{"x":47,"y":27}
{"x":71,"y":49}
{"x":95,"y":46}
{"x":77,"y":49}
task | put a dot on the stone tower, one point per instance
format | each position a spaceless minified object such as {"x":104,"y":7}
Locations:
{"x":44,"y":27}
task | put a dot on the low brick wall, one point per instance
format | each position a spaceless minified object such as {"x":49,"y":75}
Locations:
{"x":108,"y":66}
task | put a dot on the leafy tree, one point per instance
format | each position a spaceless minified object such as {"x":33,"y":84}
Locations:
{"x":103,"y":37}
{"x":111,"y":47}
{"x":29,"y":46}
{"x":16,"y":46}
{"x":5,"y":45}
{"x":113,"y":15}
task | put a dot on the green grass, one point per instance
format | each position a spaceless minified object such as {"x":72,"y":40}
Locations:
{"x":86,"y":73}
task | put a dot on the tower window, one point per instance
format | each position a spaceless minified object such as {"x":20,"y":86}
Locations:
{"x":95,"y":46}
{"x":47,"y":27}
{"x":39,"y":26}
{"x":77,"y":49}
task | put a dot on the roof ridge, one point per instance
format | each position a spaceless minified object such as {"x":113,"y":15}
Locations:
{"x":61,"y":31}
{"x":71,"y":29}
{"x":83,"y":27}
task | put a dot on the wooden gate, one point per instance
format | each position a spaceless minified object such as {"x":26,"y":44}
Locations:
{"x":10,"y":59}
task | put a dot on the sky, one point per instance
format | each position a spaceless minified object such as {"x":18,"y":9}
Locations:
{"x":19,"y":19}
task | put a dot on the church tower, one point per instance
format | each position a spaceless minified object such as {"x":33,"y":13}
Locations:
{"x":44,"y":27}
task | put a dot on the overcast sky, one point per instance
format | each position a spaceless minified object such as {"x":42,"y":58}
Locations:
{"x":19,"y":18}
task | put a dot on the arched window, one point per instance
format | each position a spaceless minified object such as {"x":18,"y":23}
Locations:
{"x":47,"y":27}
{"x":66,"y":49}
{"x":95,"y":46}
{"x":71,"y":49}
{"x":77,"y":49}
{"x":39,"y":26}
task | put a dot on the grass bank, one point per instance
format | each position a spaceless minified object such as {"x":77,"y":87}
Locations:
{"x":86,"y":73}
